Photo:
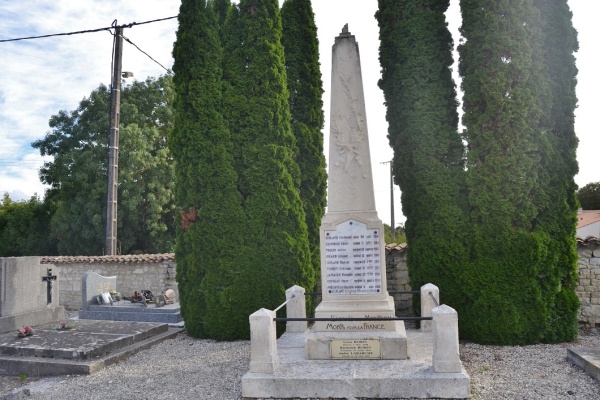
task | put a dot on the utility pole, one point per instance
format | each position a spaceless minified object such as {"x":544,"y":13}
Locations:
{"x":113,"y":147}
{"x":393,"y":225}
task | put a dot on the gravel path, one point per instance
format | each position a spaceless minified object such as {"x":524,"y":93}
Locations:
{"x":185,"y":368}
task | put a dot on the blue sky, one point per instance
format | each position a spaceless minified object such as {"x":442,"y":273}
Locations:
{"x":40,"y":77}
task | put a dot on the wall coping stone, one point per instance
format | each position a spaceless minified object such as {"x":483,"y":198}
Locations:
{"x":123,"y":259}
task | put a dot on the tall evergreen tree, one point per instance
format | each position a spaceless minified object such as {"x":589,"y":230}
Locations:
{"x":255,"y":104}
{"x":556,"y":195}
{"x":209,"y":248}
{"x":416,"y":55}
{"x":306,"y":105}
{"x":515,"y":276}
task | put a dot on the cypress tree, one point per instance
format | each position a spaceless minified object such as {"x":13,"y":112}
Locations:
{"x":207,"y":250}
{"x":556,"y":194}
{"x":256,"y":107}
{"x":306,"y":106}
{"x":505,"y":300}
{"x":415,"y":56}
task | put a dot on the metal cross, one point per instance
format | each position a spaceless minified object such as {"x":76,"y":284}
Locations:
{"x":48,"y":279}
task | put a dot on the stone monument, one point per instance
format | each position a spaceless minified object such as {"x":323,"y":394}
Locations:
{"x":28,"y":293}
{"x":357,"y":348}
{"x":352,"y":247}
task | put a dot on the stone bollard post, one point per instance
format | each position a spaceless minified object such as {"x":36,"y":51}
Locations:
{"x":430,"y":298}
{"x":296,"y":308}
{"x":263,"y":342}
{"x":446,"y":356}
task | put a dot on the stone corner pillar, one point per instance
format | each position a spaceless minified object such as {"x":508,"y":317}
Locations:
{"x":430,"y":298}
{"x":296,"y":308}
{"x":263,"y":342}
{"x":446,"y":357}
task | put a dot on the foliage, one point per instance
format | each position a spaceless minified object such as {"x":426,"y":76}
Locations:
{"x":556,"y":193}
{"x":306,"y":106}
{"x":209,"y":249}
{"x":415,"y":57}
{"x":589,"y":196}
{"x":507,"y":262}
{"x":77,"y":175}
{"x":25,"y":228}
{"x":399,"y":234}
{"x":522,"y":252}
{"x":255,"y":104}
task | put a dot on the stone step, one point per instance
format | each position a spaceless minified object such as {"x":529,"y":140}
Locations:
{"x":588,"y":359}
{"x":298,"y":377}
{"x":88,"y":347}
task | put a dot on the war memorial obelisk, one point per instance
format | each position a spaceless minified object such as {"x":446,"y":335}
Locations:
{"x":353,"y":272}
{"x":360,"y":353}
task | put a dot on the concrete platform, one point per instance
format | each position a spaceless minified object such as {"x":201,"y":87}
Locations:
{"x":88,"y":347}
{"x":127,"y":311}
{"x":298,"y":377}
{"x":588,"y":359}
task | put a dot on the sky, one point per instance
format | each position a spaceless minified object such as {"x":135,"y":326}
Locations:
{"x":40,"y":77}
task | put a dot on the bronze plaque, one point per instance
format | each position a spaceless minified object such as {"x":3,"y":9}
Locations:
{"x":355,"y":349}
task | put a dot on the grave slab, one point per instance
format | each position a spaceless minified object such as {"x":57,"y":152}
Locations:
{"x":86,"y":348}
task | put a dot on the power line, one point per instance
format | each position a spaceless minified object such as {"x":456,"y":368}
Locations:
{"x":148,"y":55}
{"x":130,"y":25}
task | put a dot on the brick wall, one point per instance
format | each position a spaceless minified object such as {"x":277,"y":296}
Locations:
{"x":155,"y":272}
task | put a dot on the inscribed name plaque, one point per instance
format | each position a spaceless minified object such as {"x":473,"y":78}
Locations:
{"x":353,"y":259}
{"x":349,"y":349}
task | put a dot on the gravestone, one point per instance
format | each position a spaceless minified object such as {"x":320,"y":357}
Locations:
{"x":28,"y":293}
{"x":353,"y":272}
{"x":94,"y":285}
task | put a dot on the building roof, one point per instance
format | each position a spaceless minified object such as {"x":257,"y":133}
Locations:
{"x":587,"y":217}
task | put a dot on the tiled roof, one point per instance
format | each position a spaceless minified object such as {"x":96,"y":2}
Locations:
{"x":589,"y":240}
{"x":587,"y":217}
{"x":396,"y":247}
{"x":136,"y":258}
{"x":139,"y":258}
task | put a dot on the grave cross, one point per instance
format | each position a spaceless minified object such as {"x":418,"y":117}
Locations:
{"x":48,"y":279}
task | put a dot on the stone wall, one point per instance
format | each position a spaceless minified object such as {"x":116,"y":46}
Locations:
{"x":155,"y":272}
{"x":397,"y":278}
{"x":588,"y":289}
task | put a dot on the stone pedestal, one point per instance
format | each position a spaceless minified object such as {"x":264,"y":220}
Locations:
{"x":28,"y":293}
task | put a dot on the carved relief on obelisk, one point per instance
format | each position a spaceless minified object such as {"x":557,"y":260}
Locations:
{"x":350,"y":185}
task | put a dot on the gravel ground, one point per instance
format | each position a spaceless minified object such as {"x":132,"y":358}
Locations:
{"x":185,"y":368}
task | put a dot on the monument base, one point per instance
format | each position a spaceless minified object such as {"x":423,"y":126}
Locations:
{"x":15,"y":322}
{"x":385,"y":345}
{"x":356,"y":309}
{"x":298,"y":377}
